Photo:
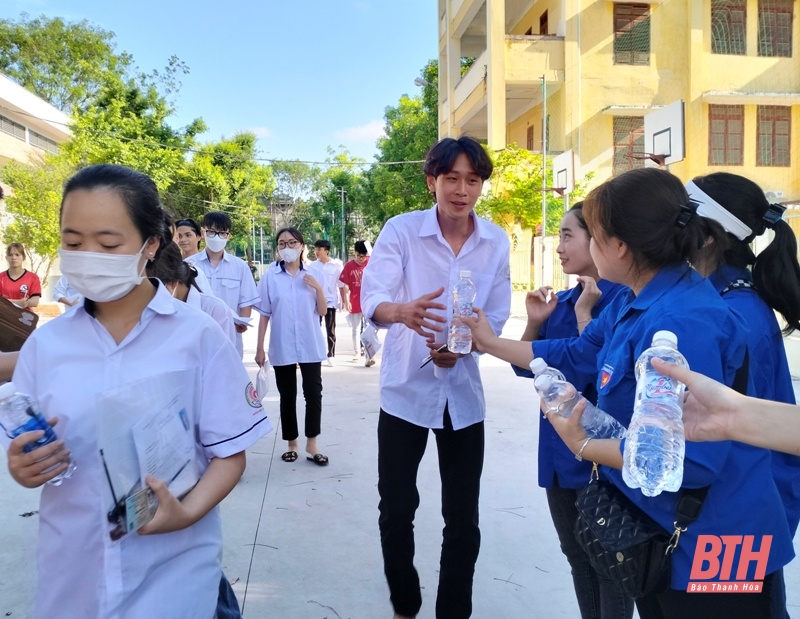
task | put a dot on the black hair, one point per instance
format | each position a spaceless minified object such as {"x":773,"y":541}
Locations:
{"x":219,"y":221}
{"x":189,"y":223}
{"x":776,"y":272}
{"x":360,"y":247}
{"x":577,"y":210}
{"x":649,"y":210}
{"x":322,"y":243}
{"x":296,"y":234}
{"x":139,"y":194}
{"x":442,"y":157}
{"x":170,"y":267}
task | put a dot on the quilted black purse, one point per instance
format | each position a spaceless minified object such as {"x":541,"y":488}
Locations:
{"x":625,"y":545}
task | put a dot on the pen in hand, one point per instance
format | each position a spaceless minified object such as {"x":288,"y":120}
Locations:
{"x":429,"y":358}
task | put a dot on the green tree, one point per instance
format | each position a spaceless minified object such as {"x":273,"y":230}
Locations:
{"x":515,"y":193}
{"x":35,"y":207}
{"x":66,"y":64}
{"x":411,"y":129}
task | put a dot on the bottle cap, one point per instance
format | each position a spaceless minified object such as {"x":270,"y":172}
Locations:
{"x":465,"y":274}
{"x":543,"y":382}
{"x":666,"y":335}
{"x":538,"y":365}
{"x":7,"y":390}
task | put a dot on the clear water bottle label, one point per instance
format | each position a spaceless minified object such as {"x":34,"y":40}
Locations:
{"x":661,"y":387}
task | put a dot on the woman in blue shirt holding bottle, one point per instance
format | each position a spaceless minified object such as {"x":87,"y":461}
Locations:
{"x":562,"y":315}
{"x":644,"y":233}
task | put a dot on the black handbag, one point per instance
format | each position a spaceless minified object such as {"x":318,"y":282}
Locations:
{"x":623,"y":544}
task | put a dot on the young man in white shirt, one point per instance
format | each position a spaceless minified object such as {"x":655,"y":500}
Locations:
{"x":413,"y":267}
{"x":327,"y":272}
{"x":230,"y":277}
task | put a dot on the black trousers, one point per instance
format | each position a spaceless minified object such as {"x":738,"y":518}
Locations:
{"x":400,"y":448}
{"x":675,"y":604}
{"x":286,"y":382}
{"x":330,"y":330}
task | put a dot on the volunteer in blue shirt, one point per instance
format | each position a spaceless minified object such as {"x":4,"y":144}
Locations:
{"x":644,"y":231}
{"x":562,"y":315}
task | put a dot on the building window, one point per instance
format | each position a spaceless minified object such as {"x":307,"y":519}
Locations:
{"x":529,"y":138}
{"x":632,"y":34}
{"x":725,"y":134}
{"x":774,"y":135}
{"x":11,"y":128}
{"x":628,"y":143}
{"x":543,"y":29}
{"x":38,"y":140}
{"x":775,"y":28}
{"x":728,"y":27}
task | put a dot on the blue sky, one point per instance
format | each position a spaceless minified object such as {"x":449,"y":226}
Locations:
{"x":301,"y":74}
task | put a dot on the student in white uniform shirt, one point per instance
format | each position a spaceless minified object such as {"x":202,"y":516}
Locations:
{"x":230,"y":278}
{"x":413,"y":267}
{"x":327,"y":271}
{"x":66,"y":294}
{"x":180,"y":280}
{"x":292,"y":299}
{"x":111,"y":223}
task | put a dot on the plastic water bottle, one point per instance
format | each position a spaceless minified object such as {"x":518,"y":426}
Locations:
{"x":19,"y":415}
{"x":653,"y":455}
{"x":560,"y":396}
{"x":460,"y":337}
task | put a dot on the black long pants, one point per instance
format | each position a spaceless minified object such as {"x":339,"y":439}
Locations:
{"x":400,"y":448}
{"x":330,"y":330}
{"x":286,"y":382}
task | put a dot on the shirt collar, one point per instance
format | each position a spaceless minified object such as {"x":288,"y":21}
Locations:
{"x":203,"y":255}
{"x":430,"y":224}
{"x":663,"y":281}
{"x":727,"y":273}
{"x":282,"y":267}
{"x":574,"y":294}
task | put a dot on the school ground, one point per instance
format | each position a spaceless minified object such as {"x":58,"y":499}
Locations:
{"x":301,"y":541}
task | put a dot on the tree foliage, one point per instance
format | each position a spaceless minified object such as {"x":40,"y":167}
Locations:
{"x":515,"y":192}
{"x":411,"y":129}
{"x":66,"y":64}
{"x":35,"y":207}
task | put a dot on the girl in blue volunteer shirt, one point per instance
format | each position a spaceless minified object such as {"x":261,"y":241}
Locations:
{"x":644,"y":233}
{"x":740,"y":206}
{"x":566,"y":314}
{"x":129,"y":329}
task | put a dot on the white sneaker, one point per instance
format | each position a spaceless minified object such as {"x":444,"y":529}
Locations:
{"x":356,"y":359}
{"x":329,"y":362}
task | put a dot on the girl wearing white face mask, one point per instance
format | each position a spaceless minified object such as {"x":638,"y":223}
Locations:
{"x":294,"y":300}
{"x":112,"y":224}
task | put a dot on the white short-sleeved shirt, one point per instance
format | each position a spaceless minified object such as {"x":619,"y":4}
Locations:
{"x":63,"y":289}
{"x":231,"y":280}
{"x":201,"y":279}
{"x":327,"y":273}
{"x":65,"y":364}
{"x":410,"y":259}
{"x":215,"y":308}
{"x":291,"y":305}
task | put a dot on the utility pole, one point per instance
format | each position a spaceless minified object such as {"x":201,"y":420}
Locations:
{"x":544,"y":170}
{"x":342,"y":192}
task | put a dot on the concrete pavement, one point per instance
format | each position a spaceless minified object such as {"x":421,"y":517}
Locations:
{"x":301,"y":541}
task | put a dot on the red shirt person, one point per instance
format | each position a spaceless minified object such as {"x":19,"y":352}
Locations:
{"x":351,"y":278}
{"x":17,"y":284}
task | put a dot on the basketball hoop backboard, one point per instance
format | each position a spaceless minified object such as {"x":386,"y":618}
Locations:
{"x":564,"y":173}
{"x":664,"y":135}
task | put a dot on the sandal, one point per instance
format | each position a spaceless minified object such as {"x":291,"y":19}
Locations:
{"x":289,"y":456}
{"x":318,"y":459}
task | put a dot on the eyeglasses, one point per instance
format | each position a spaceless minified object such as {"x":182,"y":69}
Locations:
{"x":284,"y":244}
{"x":214,"y":233}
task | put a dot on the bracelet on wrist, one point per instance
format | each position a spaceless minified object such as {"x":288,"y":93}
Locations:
{"x":579,"y":455}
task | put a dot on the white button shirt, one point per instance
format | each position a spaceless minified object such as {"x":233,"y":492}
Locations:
{"x":215,"y":308}
{"x":327,"y":274}
{"x":201,"y":279}
{"x":291,"y":305}
{"x":411,"y":258}
{"x":65,"y":364}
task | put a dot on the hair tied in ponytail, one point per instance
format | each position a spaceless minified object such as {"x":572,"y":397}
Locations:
{"x":687,"y":212}
{"x":773,"y":215}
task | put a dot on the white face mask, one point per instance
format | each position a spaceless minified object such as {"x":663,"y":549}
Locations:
{"x":216,"y":244}
{"x":102,"y":277}
{"x":291,"y":254}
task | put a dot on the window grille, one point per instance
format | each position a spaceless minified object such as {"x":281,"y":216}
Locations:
{"x":628,"y":143}
{"x":775,"y":28}
{"x":725,"y":134}
{"x":729,"y":27}
{"x":774,"y":136}
{"x":631,"y":34}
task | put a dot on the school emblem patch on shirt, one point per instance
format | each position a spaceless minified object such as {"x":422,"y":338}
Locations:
{"x":605,"y":375}
{"x":251,"y":395}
